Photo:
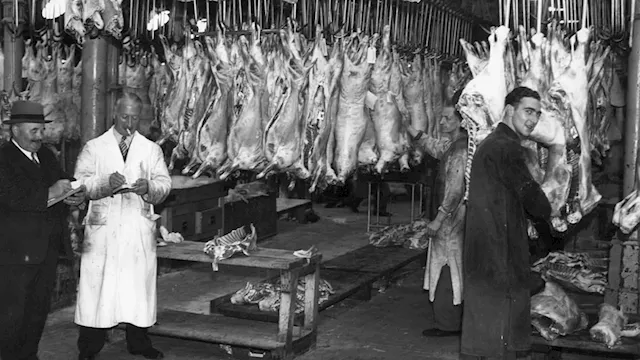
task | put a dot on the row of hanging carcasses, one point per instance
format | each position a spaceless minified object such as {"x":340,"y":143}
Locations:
{"x":275,"y":103}
{"x":54,"y":76}
{"x":573,"y":75}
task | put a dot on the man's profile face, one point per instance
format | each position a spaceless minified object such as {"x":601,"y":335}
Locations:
{"x":127,"y":117}
{"x":28,"y":135}
{"x":449,"y":120}
{"x":525,"y":116}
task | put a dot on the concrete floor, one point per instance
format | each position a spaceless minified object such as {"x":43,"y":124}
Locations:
{"x":388,"y":326}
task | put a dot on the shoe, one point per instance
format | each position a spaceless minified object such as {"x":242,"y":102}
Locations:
{"x":439,"y":333}
{"x":149,"y":353}
{"x":85,"y":357}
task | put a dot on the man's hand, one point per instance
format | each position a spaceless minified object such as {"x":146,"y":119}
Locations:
{"x":77,"y":198}
{"x":59,"y":188}
{"x":141,"y":187}
{"x":116,"y":180}
{"x":433,"y":227}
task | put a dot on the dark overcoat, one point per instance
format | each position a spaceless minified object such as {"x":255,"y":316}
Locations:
{"x":28,"y":226}
{"x":496,"y":267}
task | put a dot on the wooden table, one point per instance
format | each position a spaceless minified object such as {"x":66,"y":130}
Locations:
{"x":289,"y":339}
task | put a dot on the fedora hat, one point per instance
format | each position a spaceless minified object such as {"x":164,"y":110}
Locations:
{"x":26,"y":112}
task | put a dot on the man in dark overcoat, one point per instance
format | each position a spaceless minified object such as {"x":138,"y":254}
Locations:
{"x":32,"y":233}
{"x":496,"y":320}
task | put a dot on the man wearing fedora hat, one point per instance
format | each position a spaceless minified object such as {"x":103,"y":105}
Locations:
{"x":32,"y":232}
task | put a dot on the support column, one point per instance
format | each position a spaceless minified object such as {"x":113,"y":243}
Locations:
{"x":113,"y":54}
{"x":624,"y":286}
{"x":94,"y":87}
{"x":13,"y":46}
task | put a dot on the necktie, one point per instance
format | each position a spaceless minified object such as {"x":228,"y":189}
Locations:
{"x":124,"y":149}
{"x":34,"y":159}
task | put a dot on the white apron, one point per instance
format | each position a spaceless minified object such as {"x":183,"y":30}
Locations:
{"x":119,"y":264}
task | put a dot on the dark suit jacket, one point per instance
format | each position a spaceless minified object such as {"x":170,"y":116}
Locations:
{"x":28,"y":227}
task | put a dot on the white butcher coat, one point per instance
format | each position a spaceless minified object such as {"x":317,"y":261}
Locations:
{"x":118,"y":263}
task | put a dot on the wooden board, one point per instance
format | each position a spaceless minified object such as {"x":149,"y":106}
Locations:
{"x":582,"y":342}
{"x":220,"y":329}
{"x":344,"y":283}
{"x":374,"y":260}
{"x":284,"y":205}
{"x":261,"y":258}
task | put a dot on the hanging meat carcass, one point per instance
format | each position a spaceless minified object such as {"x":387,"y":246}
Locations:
{"x":92,"y":13}
{"x":482,"y":100}
{"x":319,"y":117}
{"x":53,"y":109}
{"x":427,"y":83}
{"x":211,"y":148}
{"x":73,"y":21}
{"x":33,"y":68}
{"x":175,"y":104}
{"x":352,"y":118}
{"x":391,"y":137}
{"x":198,"y":96}
{"x":414,"y":96}
{"x":112,"y":15}
{"x":134,"y":74}
{"x":158,"y":87}
{"x":65,"y":77}
{"x":282,"y":143}
{"x":246,"y":133}
{"x":554,"y":313}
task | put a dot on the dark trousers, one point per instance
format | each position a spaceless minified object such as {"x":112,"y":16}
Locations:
{"x":24,"y":306}
{"x":91,"y":340}
{"x":447,"y":317}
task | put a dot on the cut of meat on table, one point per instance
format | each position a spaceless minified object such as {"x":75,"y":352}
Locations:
{"x":387,"y":120}
{"x":611,"y":323}
{"x":352,"y":117}
{"x":554,"y":313}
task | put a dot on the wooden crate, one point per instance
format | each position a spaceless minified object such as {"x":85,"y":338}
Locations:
{"x":197,"y":213}
{"x":259,"y":210}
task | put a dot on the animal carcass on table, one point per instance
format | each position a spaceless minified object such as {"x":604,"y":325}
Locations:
{"x":554,"y":313}
{"x":320,"y":112}
{"x":283,"y":134}
{"x":612,"y":325}
{"x":391,"y":137}
{"x":352,"y":118}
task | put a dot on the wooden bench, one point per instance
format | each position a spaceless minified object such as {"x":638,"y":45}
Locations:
{"x":288,"y":341}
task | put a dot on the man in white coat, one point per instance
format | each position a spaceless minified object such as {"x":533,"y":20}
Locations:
{"x":125,"y":175}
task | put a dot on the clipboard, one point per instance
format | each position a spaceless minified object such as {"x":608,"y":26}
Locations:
{"x":76,"y":188}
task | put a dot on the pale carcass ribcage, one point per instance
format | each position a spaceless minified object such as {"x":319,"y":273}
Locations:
{"x":482,"y":100}
{"x":352,"y":118}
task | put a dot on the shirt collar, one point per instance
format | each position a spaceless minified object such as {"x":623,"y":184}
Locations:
{"x":30,"y":155}
{"x":506,"y":130}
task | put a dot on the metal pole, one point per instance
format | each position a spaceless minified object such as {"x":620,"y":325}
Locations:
{"x":13,"y":46}
{"x":94,"y":88}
